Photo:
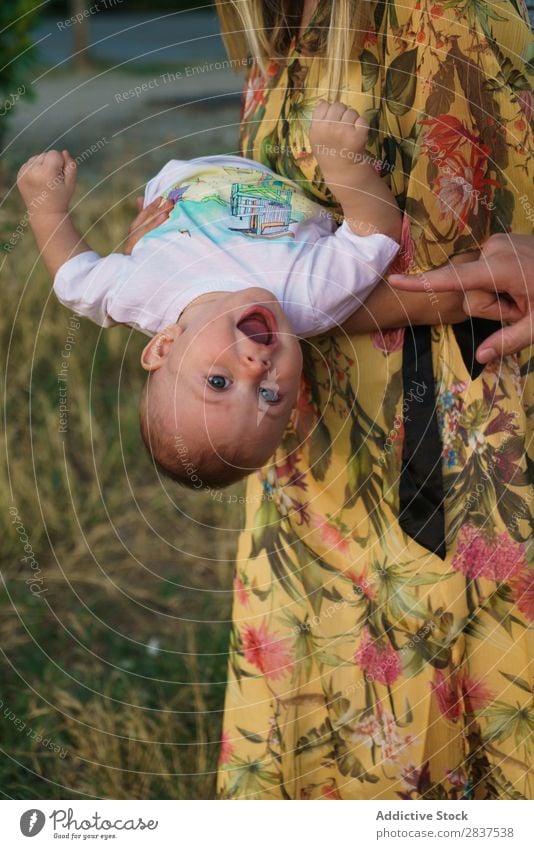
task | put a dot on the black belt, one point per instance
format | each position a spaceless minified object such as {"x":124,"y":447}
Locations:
{"x":421,"y":495}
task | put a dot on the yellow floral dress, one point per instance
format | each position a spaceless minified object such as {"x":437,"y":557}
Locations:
{"x":361,"y":665}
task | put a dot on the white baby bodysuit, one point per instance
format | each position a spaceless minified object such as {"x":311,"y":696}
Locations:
{"x":235,"y":224}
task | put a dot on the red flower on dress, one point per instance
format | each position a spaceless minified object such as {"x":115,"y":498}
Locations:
{"x":254,"y":92}
{"x":388,"y":341}
{"x":329,"y":791}
{"x":378,"y":660}
{"x":267,"y":651}
{"x":227,"y":748}
{"x":494,"y":556}
{"x":446,"y":133}
{"x":459,"y":693}
{"x":523,"y":590}
{"x":288,"y":468}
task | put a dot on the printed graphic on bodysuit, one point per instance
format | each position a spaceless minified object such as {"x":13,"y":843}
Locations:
{"x":262,"y":208}
{"x":222,"y":202}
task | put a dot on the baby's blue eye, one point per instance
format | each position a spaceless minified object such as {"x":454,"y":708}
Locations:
{"x":217,"y":381}
{"x":268,"y":394}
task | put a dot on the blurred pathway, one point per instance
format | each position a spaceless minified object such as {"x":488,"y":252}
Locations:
{"x":124,"y":107}
{"x":149,"y":39}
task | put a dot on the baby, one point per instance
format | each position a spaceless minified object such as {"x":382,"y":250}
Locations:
{"x":245,"y":263}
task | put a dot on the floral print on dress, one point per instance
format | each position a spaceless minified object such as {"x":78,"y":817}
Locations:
{"x":361,"y":666}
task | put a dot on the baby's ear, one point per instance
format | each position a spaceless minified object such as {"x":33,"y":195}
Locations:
{"x":158,"y":349}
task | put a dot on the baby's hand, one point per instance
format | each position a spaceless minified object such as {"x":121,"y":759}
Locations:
{"x":47,"y":182}
{"x":338,"y":137}
{"x":338,"y":133}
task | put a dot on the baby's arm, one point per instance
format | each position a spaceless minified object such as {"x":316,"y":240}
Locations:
{"x":46,"y":183}
{"x":387,"y":307}
{"x":338,"y":136}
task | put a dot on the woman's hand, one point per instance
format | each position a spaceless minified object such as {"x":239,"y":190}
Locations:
{"x":148,"y":219}
{"x":499,"y":286}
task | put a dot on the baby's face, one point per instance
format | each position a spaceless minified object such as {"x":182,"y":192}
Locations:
{"x":233,"y":376}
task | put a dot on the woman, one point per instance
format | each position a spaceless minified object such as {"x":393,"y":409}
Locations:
{"x":370,"y":660}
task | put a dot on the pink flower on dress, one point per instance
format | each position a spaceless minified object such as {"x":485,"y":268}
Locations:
{"x":227,"y":748}
{"x":508,"y":558}
{"x":267,"y":651}
{"x":461,"y":184}
{"x":523,"y":590}
{"x":329,"y":791}
{"x":476,"y":694}
{"x":377,"y":659}
{"x":388,"y":341}
{"x":330,"y":533}
{"x":456,"y":777}
{"x":242,"y":592}
{"x":362,"y":583}
{"x":381,"y":731}
{"x":494,"y":556}
{"x":457,"y":694}
{"x":445,"y":690}
{"x":404,"y":258}
{"x":526,"y":102}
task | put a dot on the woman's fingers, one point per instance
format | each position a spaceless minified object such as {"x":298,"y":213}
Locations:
{"x":509,"y":340}
{"x":455,"y":278}
{"x":489,"y":305}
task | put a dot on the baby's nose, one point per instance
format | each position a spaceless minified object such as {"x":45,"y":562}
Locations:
{"x":257,"y":363}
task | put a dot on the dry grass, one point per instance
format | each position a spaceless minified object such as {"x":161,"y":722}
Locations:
{"x":116,"y":661}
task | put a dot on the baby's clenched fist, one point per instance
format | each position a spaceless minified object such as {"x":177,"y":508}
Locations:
{"x":47,"y":182}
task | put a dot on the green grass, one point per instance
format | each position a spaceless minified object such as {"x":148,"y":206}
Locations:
{"x":126,"y":560}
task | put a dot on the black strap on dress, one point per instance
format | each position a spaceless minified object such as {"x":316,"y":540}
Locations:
{"x":421,"y":494}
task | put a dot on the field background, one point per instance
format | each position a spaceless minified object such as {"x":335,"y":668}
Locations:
{"x":120,"y":662}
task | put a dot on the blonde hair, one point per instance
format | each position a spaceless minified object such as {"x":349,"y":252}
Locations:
{"x":263,"y":29}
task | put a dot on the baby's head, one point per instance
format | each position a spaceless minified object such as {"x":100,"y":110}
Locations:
{"x":222,"y":383}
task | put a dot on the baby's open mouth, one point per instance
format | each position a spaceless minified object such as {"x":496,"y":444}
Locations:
{"x":259,"y":324}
